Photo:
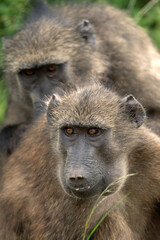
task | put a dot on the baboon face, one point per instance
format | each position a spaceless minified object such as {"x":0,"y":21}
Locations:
{"x":91,"y":136}
{"x":43,"y":80}
{"x":91,"y":160}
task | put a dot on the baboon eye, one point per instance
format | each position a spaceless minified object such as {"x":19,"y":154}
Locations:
{"x":93,"y":131}
{"x":51,"y":68}
{"x":69,"y":131}
{"x":29,"y":72}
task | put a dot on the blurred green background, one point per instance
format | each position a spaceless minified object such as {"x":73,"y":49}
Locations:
{"x":12,"y":13}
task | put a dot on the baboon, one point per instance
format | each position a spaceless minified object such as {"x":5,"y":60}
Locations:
{"x":68,"y":157}
{"x":60,"y":44}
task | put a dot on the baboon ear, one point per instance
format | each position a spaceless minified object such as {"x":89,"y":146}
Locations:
{"x":86,"y":30}
{"x":52,"y":104}
{"x":133,"y":110}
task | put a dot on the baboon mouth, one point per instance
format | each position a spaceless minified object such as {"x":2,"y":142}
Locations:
{"x":87,"y":191}
{"x":81,"y":189}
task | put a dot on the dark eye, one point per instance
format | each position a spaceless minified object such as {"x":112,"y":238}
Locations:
{"x":51,"y":68}
{"x":29,"y":72}
{"x":69,"y":131}
{"x":94,"y":131}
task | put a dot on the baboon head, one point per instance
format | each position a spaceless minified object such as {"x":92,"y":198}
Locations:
{"x":48,"y":52}
{"x":92,"y":133}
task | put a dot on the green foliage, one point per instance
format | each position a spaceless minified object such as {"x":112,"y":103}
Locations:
{"x":3,"y":102}
{"x":151,"y":22}
{"x":12,"y":13}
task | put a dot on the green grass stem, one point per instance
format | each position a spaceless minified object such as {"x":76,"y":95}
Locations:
{"x":106,"y":214}
{"x":98,"y":201}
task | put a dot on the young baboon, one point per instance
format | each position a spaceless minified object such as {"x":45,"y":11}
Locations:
{"x":82,"y":43}
{"x":52,"y":181}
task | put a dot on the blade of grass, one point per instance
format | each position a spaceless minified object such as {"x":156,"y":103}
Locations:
{"x":106,"y":214}
{"x":145,"y":9}
{"x":131,"y":6}
{"x":99,"y":202}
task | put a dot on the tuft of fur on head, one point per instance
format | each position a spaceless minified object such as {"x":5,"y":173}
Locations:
{"x":85,"y":106}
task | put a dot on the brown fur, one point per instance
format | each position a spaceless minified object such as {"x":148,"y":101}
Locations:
{"x":122,"y":57}
{"x":117,"y":52}
{"x":34,"y":205}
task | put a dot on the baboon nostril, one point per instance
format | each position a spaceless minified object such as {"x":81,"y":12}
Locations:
{"x":80,"y":177}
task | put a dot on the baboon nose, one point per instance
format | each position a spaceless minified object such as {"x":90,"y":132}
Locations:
{"x":76,"y":175}
{"x":77,"y":179}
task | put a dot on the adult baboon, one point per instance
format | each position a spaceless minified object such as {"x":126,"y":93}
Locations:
{"x":51,"y":182}
{"x":58,"y":45}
